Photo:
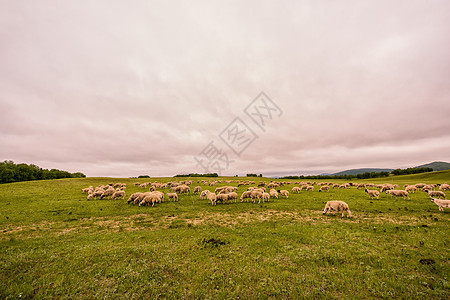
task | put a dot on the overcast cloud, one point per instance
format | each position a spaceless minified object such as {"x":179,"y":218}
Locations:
{"x":120,"y":88}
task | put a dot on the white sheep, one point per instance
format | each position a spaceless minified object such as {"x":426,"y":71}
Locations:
{"x":222,"y":198}
{"x":149,"y":198}
{"x":273,"y":193}
{"x":441,"y":203}
{"x":118,"y":194}
{"x":373,"y":193}
{"x":265,"y":197}
{"x":444,"y":187}
{"x":284,"y":193}
{"x":108,"y":193}
{"x":339,"y":206}
{"x":310,"y":188}
{"x":436,"y":194}
{"x":203,"y":194}
{"x":172,"y":196}
{"x":410,"y":188}
{"x":398,"y":193}
{"x":324,"y":188}
{"x":296,"y":189}
{"x":133,"y":197}
{"x":245,"y":195}
{"x":197,"y":189}
{"x":212,"y":198}
{"x":233,"y":196}
{"x":256,"y":194}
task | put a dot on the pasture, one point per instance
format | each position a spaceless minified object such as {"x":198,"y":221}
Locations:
{"x":56,"y":244}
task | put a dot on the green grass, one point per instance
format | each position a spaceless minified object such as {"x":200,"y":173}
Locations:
{"x":56,"y":244}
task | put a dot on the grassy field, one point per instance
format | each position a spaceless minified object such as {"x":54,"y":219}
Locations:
{"x":56,"y":244}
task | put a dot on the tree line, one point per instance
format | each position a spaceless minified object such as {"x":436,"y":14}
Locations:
{"x":11,"y":172}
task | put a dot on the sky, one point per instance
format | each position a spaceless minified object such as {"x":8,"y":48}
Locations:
{"x":121,"y":89}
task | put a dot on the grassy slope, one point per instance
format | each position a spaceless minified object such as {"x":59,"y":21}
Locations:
{"x":56,"y":244}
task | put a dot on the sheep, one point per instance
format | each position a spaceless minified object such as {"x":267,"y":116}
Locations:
{"x":386,"y":187}
{"x":296,"y":189}
{"x":233,"y":196}
{"x":87,"y":190}
{"x":133,"y":196}
{"x":108,"y":193}
{"x":304,"y":187}
{"x":212,"y":198}
{"x":172,"y":196}
{"x":197,"y":189}
{"x":222,"y":198}
{"x":160,"y":195}
{"x":256,"y":194}
{"x":118,"y":194}
{"x":273,"y":193}
{"x":324,"y":188}
{"x":149,"y":198}
{"x":245,"y":195}
{"x":398,"y":193}
{"x":310,"y":188}
{"x":339,"y":206}
{"x":410,"y":188}
{"x":444,"y":187}
{"x":361,"y":185}
{"x":95,"y":194}
{"x":284,"y":193}
{"x":436,"y":194}
{"x":372,"y":193}
{"x":441,"y":203}
{"x":265,"y":197}
{"x":203,"y":194}
{"x":428,"y":187}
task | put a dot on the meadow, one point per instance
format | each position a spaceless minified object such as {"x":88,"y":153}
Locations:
{"x":56,"y":244}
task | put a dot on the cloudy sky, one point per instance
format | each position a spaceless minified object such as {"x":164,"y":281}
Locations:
{"x":120,"y":88}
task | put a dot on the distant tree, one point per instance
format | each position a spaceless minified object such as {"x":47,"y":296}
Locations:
{"x":143,"y":176}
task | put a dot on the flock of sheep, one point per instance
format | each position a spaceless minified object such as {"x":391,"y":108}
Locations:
{"x":259,"y":192}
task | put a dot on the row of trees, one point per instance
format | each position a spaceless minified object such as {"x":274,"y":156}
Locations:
{"x":411,"y":171}
{"x":346,"y":177}
{"x":11,"y":172}
{"x":198,"y":175}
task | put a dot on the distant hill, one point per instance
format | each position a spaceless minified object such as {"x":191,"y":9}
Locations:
{"x":361,"y":171}
{"x":436,"y":166}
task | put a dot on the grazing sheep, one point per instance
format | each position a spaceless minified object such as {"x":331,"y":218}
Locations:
{"x":245,"y":195}
{"x":172,"y":196}
{"x":398,"y":193}
{"x":361,"y":185}
{"x":265,"y":197}
{"x":273,"y":193}
{"x":197,"y":189}
{"x":373,"y":193}
{"x":339,"y":206}
{"x":222,"y":198}
{"x":411,"y":188}
{"x":108,"y":193}
{"x":386,"y":187}
{"x":310,"y":188}
{"x":95,"y":194}
{"x":204,"y":194}
{"x":133,"y":196}
{"x":441,"y":203}
{"x":284,"y":193}
{"x":118,"y":194}
{"x":436,"y":194}
{"x":212,"y":198}
{"x":444,"y":187}
{"x":256,"y":194}
{"x":428,"y":187}
{"x":296,"y":189}
{"x":233,"y":196}
{"x":87,"y":190}
{"x":149,"y":198}
{"x":324,"y":188}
